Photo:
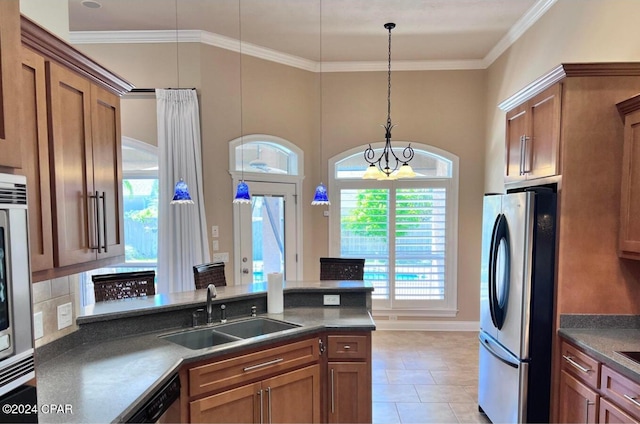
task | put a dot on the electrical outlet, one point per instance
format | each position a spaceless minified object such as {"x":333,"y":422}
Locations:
{"x":221,"y":257}
{"x":65,"y":316}
{"x":216,"y":245}
{"x":38,"y":326}
{"x":332,"y":299}
{"x":214,"y":231}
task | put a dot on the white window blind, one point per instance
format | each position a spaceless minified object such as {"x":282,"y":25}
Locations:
{"x":406,"y":230}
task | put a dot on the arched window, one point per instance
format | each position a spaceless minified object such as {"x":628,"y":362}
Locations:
{"x":405,"y":229}
{"x":266,"y":154}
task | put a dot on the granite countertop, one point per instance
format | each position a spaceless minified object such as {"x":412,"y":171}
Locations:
{"x":602,"y":337}
{"x":108,"y":381}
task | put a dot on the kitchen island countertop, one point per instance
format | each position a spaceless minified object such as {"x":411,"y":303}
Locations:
{"x":108,"y":380}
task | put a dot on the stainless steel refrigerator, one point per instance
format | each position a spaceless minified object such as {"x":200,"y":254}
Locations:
{"x":516,"y":305}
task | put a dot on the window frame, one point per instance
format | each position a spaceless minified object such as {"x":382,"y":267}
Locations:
{"x":388,"y":307}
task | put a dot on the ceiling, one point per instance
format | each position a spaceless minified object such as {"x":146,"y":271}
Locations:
{"x":444,"y":33}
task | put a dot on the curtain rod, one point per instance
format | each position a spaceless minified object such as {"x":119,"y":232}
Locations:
{"x":153,"y":90}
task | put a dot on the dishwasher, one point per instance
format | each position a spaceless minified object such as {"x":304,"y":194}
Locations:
{"x":163,"y":407}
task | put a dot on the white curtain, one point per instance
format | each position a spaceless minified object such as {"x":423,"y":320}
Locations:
{"x":182,"y":229}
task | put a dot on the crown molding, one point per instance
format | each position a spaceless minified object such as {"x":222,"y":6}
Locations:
{"x":520,"y":27}
{"x":232,"y":44}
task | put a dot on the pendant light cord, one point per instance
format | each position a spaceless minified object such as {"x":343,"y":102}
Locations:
{"x":389,"y":81}
{"x":241,"y":136}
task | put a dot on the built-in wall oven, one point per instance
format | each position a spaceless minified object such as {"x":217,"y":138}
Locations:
{"x":16,"y":334}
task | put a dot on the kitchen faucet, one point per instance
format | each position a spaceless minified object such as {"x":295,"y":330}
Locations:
{"x":211,"y":293}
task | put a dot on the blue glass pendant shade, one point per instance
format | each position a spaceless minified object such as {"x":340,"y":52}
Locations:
{"x":242,"y":193}
{"x":181,"y":194}
{"x":321,"y":197}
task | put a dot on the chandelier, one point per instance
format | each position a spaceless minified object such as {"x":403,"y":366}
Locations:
{"x":388,"y":165}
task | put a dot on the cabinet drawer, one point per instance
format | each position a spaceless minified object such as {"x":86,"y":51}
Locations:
{"x":621,"y":390}
{"x":609,"y":413}
{"x":225,"y":373}
{"x":580,"y":365}
{"x":348,"y":346}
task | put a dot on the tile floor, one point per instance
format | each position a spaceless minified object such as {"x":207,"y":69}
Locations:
{"x":425,"y":377}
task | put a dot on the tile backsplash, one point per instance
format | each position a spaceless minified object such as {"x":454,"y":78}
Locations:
{"x":47,"y":296}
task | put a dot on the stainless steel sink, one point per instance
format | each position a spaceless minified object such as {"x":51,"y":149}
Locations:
{"x":227,"y":333}
{"x":200,"y":338}
{"x":254,"y":327}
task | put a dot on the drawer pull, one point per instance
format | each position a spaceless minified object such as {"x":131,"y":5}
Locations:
{"x":632,"y":400}
{"x":347,"y":347}
{"x":264,"y":364}
{"x":570,"y":360}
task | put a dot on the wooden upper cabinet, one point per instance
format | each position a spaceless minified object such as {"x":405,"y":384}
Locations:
{"x":35,"y":159}
{"x":85,"y":145}
{"x":107,"y":170}
{"x":533,"y":137}
{"x":10,"y":155}
{"x":75,"y":215}
{"x":71,"y":137}
{"x":629,"y":235}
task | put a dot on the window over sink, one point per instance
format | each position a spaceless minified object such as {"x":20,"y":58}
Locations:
{"x":405,"y":229}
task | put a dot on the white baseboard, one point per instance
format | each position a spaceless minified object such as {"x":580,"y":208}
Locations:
{"x":426,"y":325}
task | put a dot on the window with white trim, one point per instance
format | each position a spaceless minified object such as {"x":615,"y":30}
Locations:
{"x":406,"y":230}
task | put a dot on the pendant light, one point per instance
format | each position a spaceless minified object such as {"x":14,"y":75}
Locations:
{"x":242,"y":191}
{"x":384,"y":167}
{"x":181,"y":194}
{"x":181,"y":191}
{"x":321,"y":197}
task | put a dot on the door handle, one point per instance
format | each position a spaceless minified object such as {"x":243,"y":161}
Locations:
{"x":96,"y":222}
{"x":526,"y":159}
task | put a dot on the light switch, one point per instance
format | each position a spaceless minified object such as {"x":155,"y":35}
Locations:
{"x":214,"y":231}
{"x":216,"y":245}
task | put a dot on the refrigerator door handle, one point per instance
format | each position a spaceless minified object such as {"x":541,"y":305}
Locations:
{"x":487,"y":344}
{"x":498,"y":307}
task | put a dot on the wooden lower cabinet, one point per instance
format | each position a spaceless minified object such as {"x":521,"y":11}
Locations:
{"x":578,"y":402}
{"x":274,"y":384}
{"x":349,"y":392}
{"x":592,"y":392}
{"x":295,"y":382}
{"x":609,"y":413}
{"x":349,"y":378}
{"x":241,"y":405}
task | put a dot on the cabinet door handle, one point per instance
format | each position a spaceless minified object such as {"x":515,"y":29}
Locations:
{"x":269,"y":400}
{"x":321,"y":346}
{"x":587,"y":405}
{"x":264,"y":364}
{"x":104,"y":221}
{"x":526,"y":158}
{"x":333,"y":404}
{"x":570,"y":360}
{"x":96,"y":222}
{"x":521,"y":154}
{"x":632,"y":400}
{"x":261,"y":403}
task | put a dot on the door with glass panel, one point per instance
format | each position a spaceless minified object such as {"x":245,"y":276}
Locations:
{"x":266,"y":234}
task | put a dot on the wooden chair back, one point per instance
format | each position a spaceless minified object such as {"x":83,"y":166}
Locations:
{"x":341,"y":269}
{"x":210,"y":273}
{"x":123,"y":285}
